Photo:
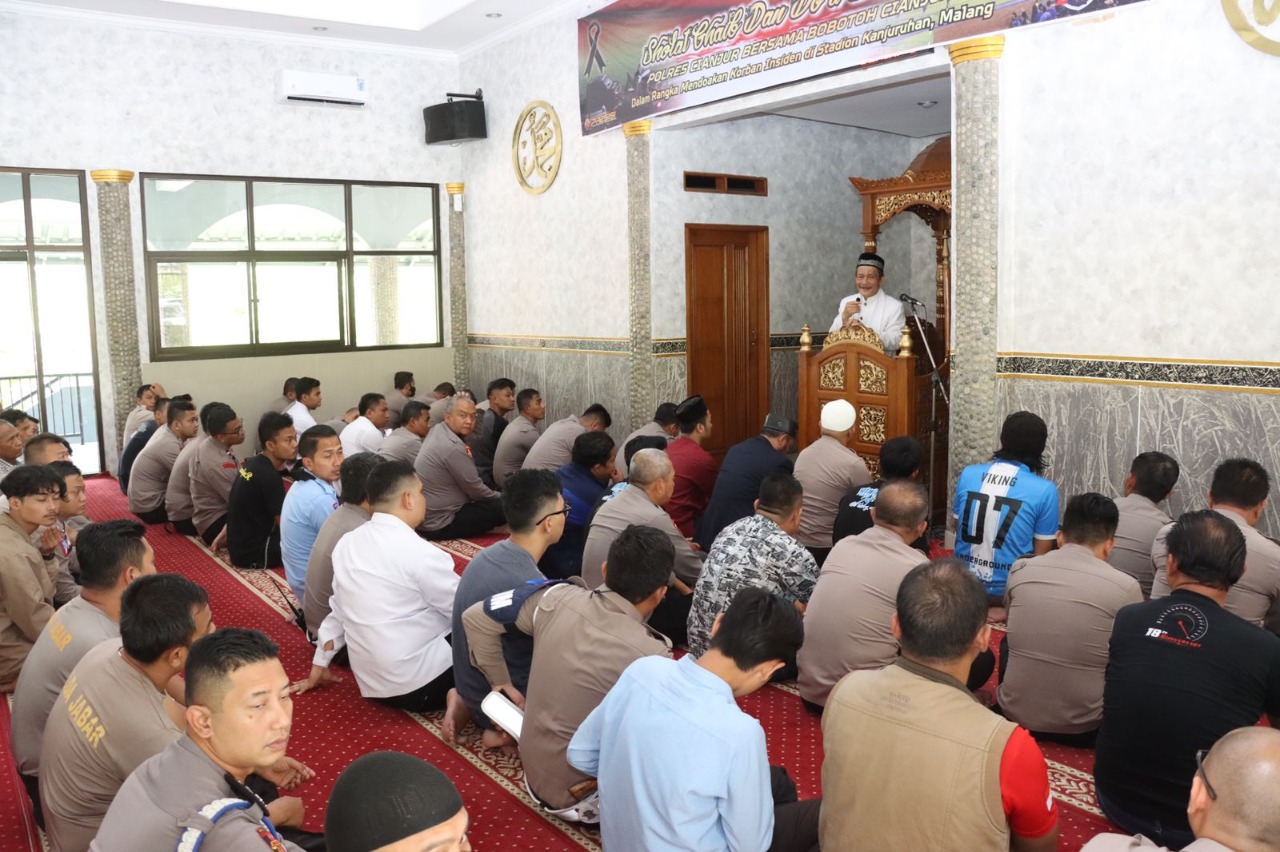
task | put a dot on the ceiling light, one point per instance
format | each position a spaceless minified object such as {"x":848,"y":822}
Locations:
{"x":926,"y":104}
{"x":493,"y":14}
{"x":320,"y":29}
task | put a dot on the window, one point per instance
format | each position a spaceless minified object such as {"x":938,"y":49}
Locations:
{"x":256,"y":266}
{"x":48,"y":363}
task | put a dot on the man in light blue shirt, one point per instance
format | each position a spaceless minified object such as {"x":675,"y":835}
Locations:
{"x":310,"y":500}
{"x":710,"y":787}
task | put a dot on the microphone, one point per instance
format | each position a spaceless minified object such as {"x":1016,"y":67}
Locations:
{"x":910,"y":301}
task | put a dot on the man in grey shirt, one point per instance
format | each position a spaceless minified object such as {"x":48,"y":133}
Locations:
{"x":115,"y":554}
{"x":1150,"y":482}
{"x":519,"y":437}
{"x":405,"y":440}
{"x":149,"y":478}
{"x":353,"y":513}
{"x":536,"y":513}
{"x":459,"y":504}
{"x":213,"y":469}
{"x":663,"y":425}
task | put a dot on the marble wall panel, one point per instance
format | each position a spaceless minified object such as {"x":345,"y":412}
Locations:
{"x":487,"y":365}
{"x":608,"y":383}
{"x":1201,"y":428}
{"x":784,"y":382}
{"x":670,"y":378}
{"x":1093,"y":430}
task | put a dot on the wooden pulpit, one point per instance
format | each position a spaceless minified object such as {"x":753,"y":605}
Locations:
{"x":881,"y":388}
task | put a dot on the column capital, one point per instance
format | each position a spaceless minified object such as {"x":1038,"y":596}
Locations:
{"x":639,"y":127}
{"x":455,"y":188}
{"x":989,"y":47}
{"x":111,"y":176}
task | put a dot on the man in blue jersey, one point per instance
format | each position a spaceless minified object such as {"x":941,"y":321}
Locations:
{"x":1004,"y":508}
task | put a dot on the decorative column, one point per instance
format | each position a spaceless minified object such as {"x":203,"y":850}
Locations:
{"x":458,"y":285}
{"x":124,"y":361}
{"x":640,"y":394}
{"x":974,"y":430}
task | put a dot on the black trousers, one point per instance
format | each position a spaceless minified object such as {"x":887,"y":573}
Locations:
{"x":186,"y":527}
{"x":32,"y":783}
{"x":424,"y":699}
{"x":154,"y":516}
{"x":795,"y":823}
{"x":472,"y":519}
{"x":671,"y":618}
{"x":819,"y":554}
{"x":213,"y":529}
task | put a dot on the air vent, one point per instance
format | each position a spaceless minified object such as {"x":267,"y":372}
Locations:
{"x":725,"y":184}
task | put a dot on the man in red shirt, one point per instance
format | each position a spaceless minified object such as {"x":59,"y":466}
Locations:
{"x":695,"y":468}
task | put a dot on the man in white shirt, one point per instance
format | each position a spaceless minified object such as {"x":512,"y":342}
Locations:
{"x":392,"y":603}
{"x":364,"y":434}
{"x":871,"y":306}
{"x":309,"y":398}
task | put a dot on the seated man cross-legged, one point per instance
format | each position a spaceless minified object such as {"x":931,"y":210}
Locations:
{"x":584,"y":481}
{"x":353,"y":513}
{"x":257,"y":496}
{"x":458,"y":503}
{"x":311,"y":500}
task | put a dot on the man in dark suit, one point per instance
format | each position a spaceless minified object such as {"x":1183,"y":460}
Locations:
{"x":745,"y":467}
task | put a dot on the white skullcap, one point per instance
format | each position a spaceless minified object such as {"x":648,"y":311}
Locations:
{"x":838,"y":416}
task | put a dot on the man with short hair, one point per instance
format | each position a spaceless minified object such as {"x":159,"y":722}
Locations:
{"x":440,"y":399}
{"x":395,"y":802}
{"x":900,"y":458}
{"x":288,"y":395}
{"x":443,"y":390}
{"x":178,"y":507}
{"x":1005,"y":509}
{"x":403,"y":443}
{"x":1239,"y":809}
{"x":365,"y":435}
{"x":310,"y":500}
{"x":340,"y":423}
{"x":354,"y":512}
{"x":584,"y":481}
{"x":518,"y":437}
{"x":871,"y":307}
{"x":554,"y":447}
{"x":114,"y":713}
{"x":459,"y":504}
{"x":257,"y":496}
{"x":45,"y":448}
{"x":742,"y":473}
{"x":663,"y":425}
{"x":139,"y":441}
{"x":10,"y":447}
{"x":846,"y":624}
{"x":115,"y":554}
{"x":238,"y":717}
{"x":917,"y":717}
{"x":1061,"y":607}
{"x":710,"y":787}
{"x":149,"y":478}
{"x":33,"y":492}
{"x":759,"y":551}
{"x":1182,"y":671}
{"x":404,"y":390}
{"x":695,"y":469}
{"x":214,"y":469}
{"x":146,"y":396}
{"x":57,"y":542}
{"x":392,"y":602}
{"x":582,"y":642}
{"x":1150,"y":482}
{"x":309,"y":398}
{"x":483,"y":440}
{"x":27,"y":425}
{"x":535,"y":510}
{"x":828,"y":469}
{"x":1239,"y":493}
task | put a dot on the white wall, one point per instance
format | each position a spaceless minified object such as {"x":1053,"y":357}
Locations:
{"x":101,"y":93}
{"x":1138,"y":163}
{"x":813,"y":213}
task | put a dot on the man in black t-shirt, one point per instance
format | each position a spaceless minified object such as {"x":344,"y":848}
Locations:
{"x":257,"y":495}
{"x":1183,"y":672}
{"x":899,"y":459}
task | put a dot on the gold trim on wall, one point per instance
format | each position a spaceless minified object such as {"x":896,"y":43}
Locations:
{"x":639,"y":127}
{"x":1139,"y":358}
{"x":111,"y":176}
{"x":1136,"y":382}
{"x":989,"y":47}
{"x":455,"y":188}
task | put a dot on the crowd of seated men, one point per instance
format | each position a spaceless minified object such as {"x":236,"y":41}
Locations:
{"x":1150,"y":639}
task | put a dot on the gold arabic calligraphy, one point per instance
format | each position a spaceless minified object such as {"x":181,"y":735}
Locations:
{"x":538,"y":147}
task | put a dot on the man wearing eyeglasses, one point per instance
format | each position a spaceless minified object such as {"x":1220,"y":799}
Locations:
{"x":1183,"y":672}
{"x":1238,"y":809}
{"x":213,"y":470}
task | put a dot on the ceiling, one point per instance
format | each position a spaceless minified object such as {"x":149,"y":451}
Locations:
{"x":893,"y":108}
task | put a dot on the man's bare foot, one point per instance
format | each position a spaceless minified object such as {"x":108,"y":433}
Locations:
{"x":497,"y":739}
{"x":455,"y":716}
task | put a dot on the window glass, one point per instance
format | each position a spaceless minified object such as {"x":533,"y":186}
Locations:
{"x":55,"y":212}
{"x":393,"y":218}
{"x":196,"y":215}
{"x":13,"y":221}
{"x":299,"y":216}
{"x":203,"y":303}
{"x":395,"y":301}
{"x":298,"y":302}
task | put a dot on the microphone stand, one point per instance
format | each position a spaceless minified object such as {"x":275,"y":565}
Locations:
{"x":935,"y":379}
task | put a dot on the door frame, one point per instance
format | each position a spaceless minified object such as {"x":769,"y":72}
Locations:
{"x":757,"y":286}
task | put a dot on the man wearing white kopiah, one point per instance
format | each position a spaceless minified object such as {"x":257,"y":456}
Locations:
{"x":871,"y":306}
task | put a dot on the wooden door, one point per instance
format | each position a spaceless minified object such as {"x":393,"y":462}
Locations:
{"x":727,"y":327}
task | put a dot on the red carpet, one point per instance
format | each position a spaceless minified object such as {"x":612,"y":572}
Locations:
{"x":333,"y":726}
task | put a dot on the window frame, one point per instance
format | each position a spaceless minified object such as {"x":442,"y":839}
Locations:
{"x":251,"y":256}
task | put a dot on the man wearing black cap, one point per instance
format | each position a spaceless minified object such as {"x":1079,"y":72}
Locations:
{"x":1004,"y":508}
{"x":393,"y":802}
{"x":871,"y":307}
{"x":695,"y":468}
{"x":744,"y":469}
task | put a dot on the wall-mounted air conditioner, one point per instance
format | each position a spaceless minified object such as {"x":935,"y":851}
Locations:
{"x":310,"y":87}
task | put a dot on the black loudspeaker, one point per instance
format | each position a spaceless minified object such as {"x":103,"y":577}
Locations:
{"x":455,"y":121}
